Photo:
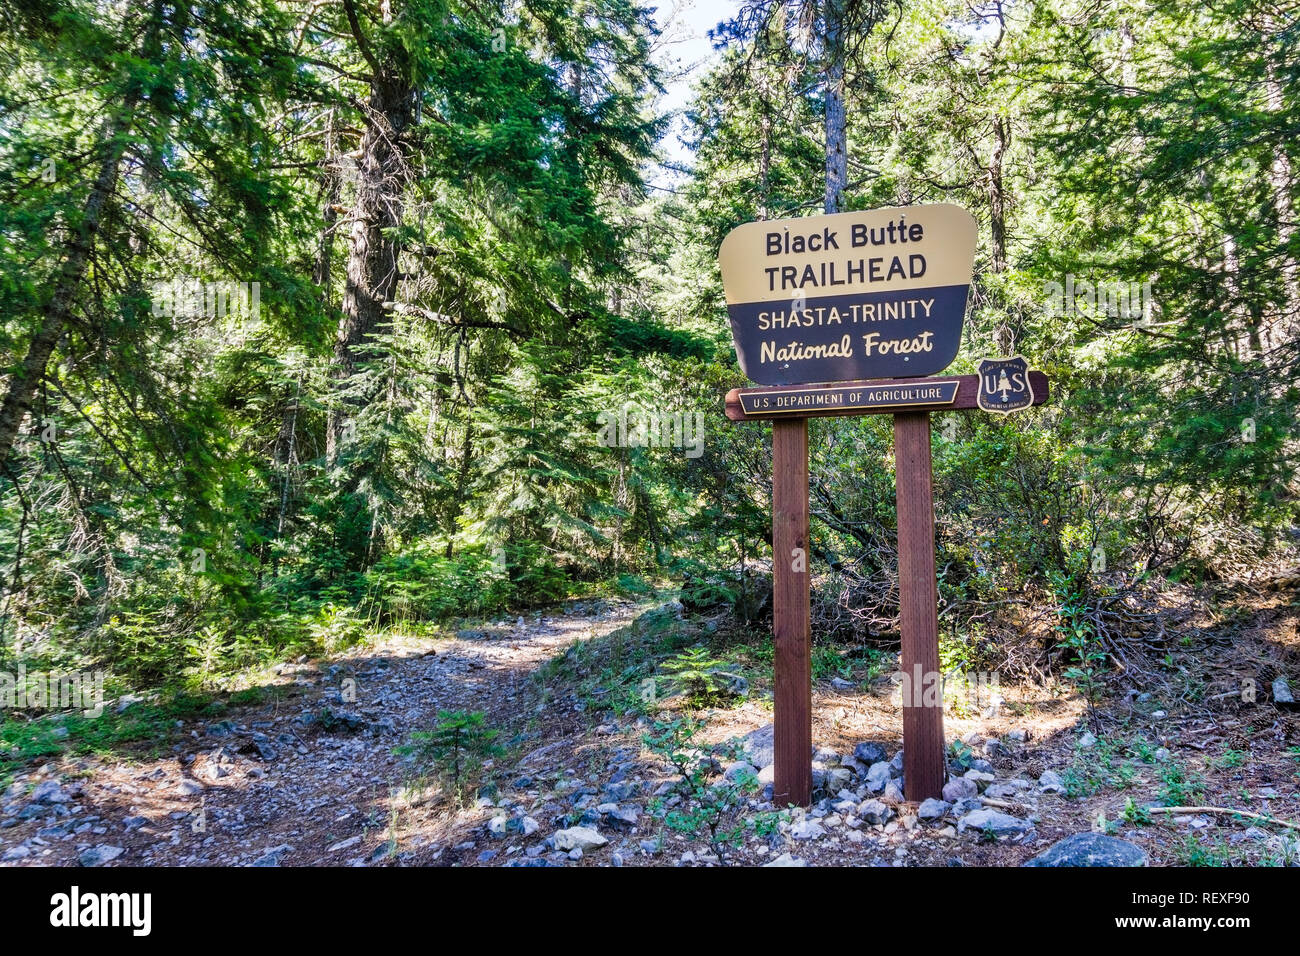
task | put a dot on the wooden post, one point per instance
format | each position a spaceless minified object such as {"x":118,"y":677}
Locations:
{"x":923,"y":760}
{"x":792,"y":719}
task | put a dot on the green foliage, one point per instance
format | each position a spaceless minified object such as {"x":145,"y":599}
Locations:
{"x":697,"y":675}
{"x":454,"y":750}
{"x":705,"y":808}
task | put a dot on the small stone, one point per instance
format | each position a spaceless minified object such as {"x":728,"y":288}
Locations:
{"x":1051,"y":782}
{"x":1087,"y":741}
{"x":345,"y":844}
{"x":869,"y":752}
{"x":893,"y":792}
{"x":959,"y":789}
{"x":49,"y":792}
{"x":582,"y":838}
{"x":806,"y":829}
{"x":1001,"y":791}
{"x":189,"y":788}
{"x":1017,"y":736}
{"x":1091,"y":849}
{"x":575,"y":853}
{"x":99,"y":855}
{"x":875,"y":812}
{"x":1161,"y":754}
{"x":739,"y":772}
{"x":759,"y":746}
{"x":878,"y":776}
{"x":838,"y":778}
{"x":993,"y":821}
{"x":933,"y":809}
{"x":785,"y":859}
{"x":272,"y":856}
{"x":1282,"y":692}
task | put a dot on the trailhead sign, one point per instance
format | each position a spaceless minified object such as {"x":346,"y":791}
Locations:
{"x":846,"y":315}
{"x":856,"y":295}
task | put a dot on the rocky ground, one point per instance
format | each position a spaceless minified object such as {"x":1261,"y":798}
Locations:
{"x":310,"y":774}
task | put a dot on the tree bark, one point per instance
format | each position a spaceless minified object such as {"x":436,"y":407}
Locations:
{"x":837,"y":158}
{"x":373,"y":246}
{"x":25,"y":380}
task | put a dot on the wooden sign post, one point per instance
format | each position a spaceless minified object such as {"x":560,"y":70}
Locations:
{"x":895,"y":311}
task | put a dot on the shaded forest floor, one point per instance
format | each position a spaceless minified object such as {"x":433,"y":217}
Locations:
{"x":301,"y":767}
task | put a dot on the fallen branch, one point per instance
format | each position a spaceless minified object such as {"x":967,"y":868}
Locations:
{"x":1236,"y":813}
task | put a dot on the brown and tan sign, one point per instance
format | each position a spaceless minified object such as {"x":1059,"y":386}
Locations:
{"x":857,"y":295}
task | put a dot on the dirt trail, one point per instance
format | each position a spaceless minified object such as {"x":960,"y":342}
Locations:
{"x":277,"y":784}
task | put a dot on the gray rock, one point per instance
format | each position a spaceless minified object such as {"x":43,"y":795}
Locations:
{"x":1282,"y":692}
{"x":99,"y":855}
{"x":993,"y":821}
{"x":1001,"y":791}
{"x":1051,"y":782}
{"x":134,"y":822}
{"x":894,"y":791}
{"x":1017,"y":736}
{"x":869,"y":752}
{"x":758,"y":745}
{"x":897,"y":762}
{"x":739,"y":772}
{"x":49,"y":792}
{"x":933,"y":809}
{"x":825,"y":755}
{"x":1091,"y":849}
{"x":583,"y":838}
{"x":875,"y":812}
{"x":979,"y":777}
{"x":1087,"y":741}
{"x":806,"y":829}
{"x":188,"y":788}
{"x":272,"y":856}
{"x":838,"y":778}
{"x":785,"y":859}
{"x":767,"y":774}
{"x":853,"y":763}
{"x":966,"y":805}
{"x":878,"y":776}
{"x":618,"y":815}
{"x":959,"y":789}
{"x":1161,"y":754}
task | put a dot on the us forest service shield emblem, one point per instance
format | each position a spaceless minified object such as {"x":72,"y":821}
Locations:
{"x":1004,"y":385}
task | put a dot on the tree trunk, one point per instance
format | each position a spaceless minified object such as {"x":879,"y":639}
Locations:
{"x":373,"y":250}
{"x":25,"y":380}
{"x":837,"y":158}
